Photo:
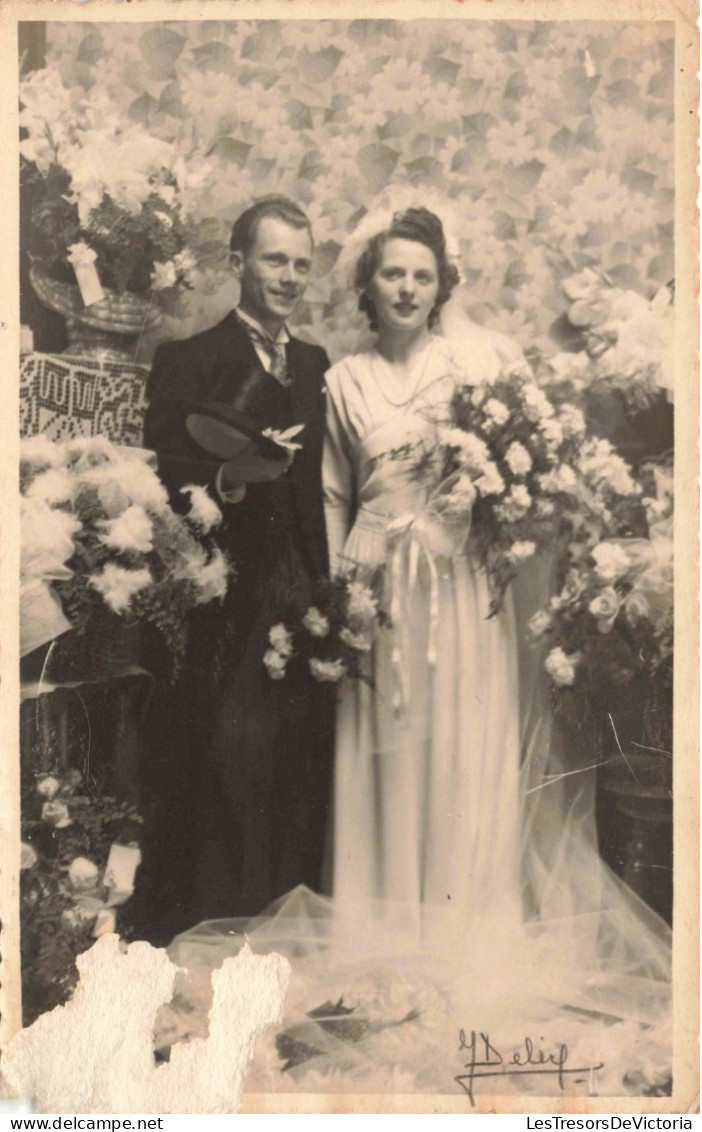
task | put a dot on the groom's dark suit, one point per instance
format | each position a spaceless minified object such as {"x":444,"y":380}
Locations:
{"x":240,"y":764}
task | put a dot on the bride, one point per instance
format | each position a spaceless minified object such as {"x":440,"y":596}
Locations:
{"x":427,"y":759}
{"x":468,"y":893}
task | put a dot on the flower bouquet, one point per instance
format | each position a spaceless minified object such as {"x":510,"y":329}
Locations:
{"x":99,"y":535}
{"x":77,"y":868}
{"x":611,"y":631}
{"x":327,"y":634}
{"x":520,"y":471}
{"x":106,"y":222}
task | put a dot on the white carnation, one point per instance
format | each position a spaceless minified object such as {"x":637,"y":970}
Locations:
{"x":361,"y":605}
{"x":54,"y":486}
{"x":118,"y":586}
{"x":204,"y":512}
{"x":212,"y":578}
{"x":132,"y":530}
{"x":611,"y":561}
{"x":518,"y":459}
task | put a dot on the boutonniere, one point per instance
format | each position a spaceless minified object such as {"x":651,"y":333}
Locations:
{"x":284,"y":438}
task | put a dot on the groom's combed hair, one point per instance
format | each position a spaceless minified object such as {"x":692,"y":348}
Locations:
{"x":423,"y":227}
{"x":275,"y":206}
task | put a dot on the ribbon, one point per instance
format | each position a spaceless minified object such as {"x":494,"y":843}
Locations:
{"x":82,"y":257}
{"x":409,"y":539}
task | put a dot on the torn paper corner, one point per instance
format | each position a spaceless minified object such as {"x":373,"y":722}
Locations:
{"x":96,"y":1053}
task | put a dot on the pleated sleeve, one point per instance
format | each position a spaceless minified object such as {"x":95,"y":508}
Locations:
{"x":338,"y":473}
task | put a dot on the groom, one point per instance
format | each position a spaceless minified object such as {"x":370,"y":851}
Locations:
{"x":240,"y":765}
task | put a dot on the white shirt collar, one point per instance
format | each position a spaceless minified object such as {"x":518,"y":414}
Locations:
{"x":282,"y":336}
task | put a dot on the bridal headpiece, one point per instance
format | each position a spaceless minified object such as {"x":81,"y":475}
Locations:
{"x":379,"y":217}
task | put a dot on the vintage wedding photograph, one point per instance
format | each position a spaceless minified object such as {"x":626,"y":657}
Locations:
{"x":348,"y":371}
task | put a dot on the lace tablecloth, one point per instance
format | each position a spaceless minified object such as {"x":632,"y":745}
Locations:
{"x":65,"y":397}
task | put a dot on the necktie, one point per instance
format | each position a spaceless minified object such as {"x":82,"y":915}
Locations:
{"x":275,"y":350}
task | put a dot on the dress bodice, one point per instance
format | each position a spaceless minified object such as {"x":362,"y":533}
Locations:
{"x":378,"y":427}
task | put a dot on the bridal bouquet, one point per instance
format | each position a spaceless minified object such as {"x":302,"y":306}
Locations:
{"x":104,"y":192}
{"x":101,"y":542}
{"x":625,"y":342}
{"x":611,"y":626}
{"x":521,"y":472}
{"x":327,"y":634}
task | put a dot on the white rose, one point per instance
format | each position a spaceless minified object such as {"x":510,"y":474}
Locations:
{"x":361,"y":642}
{"x":361,"y":603}
{"x":571,"y":421}
{"x":281,"y":639}
{"x":28,"y":857}
{"x":316,"y":624}
{"x":56,"y":814}
{"x":536,"y":404}
{"x":490,"y":482}
{"x":560,"y":667}
{"x":521,"y":551}
{"x":496,"y":411}
{"x":636,"y":607}
{"x":611,"y":561}
{"x":552,"y":432}
{"x":605,"y":608}
{"x":539,"y":623}
{"x":327,"y":671}
{"x":518,"y":459}
{"x":275,"y":664}
{"x":47,"y":786}
{"x":83,"y":873}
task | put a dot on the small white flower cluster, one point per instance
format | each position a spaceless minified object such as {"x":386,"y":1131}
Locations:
{"x":360,"y":614}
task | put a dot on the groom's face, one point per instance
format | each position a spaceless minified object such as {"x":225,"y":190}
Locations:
{"x":274,"y":272}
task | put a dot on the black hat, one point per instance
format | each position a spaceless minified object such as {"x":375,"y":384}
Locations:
{"x":239,"y":408}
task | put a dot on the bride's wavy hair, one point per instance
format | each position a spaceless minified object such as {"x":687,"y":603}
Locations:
{"x":423,"y":227}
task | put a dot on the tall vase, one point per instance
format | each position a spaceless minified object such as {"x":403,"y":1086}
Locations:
{"x":639,"y":785}
{"x":110,"y":329}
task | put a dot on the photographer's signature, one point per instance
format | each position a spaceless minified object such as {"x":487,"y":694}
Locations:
{"x":485,"y":1060}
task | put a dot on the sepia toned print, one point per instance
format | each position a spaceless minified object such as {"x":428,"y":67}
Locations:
{"x":349,"y":361}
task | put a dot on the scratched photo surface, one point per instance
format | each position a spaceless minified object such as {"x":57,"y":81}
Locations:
{"x":346,"y":399}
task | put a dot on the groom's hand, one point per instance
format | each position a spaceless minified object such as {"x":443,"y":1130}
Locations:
{"x":249,"y":466}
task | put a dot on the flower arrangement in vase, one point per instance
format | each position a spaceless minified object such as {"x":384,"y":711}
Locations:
{"x":107,"y":227}
{"x":102,"y":549}
{"x":610,"y":631}
{"x":77,"y":869}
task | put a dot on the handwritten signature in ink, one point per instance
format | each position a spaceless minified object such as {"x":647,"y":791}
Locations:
{"x":485,"y":1060}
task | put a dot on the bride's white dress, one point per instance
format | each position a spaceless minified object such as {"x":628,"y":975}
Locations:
{"x":427,"y":758}
{"x":468,"y":893}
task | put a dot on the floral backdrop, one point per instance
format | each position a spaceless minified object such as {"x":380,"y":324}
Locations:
{"x":552,"y":141}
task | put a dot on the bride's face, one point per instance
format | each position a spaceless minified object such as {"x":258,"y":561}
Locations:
{"x":405,"y":285}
